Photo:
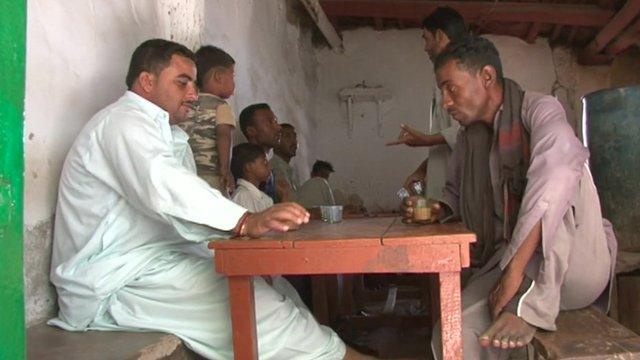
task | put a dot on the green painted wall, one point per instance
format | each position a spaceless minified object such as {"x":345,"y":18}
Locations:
{"x":12,"y":63}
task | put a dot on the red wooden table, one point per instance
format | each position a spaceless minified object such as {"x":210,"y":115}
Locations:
{"x":368,"y":245}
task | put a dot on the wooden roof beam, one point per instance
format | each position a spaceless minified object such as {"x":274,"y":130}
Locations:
{"x":378,"y":23}
{"x":326,"y":28}
{"x":594,"y":59}
{"x":473,"y":11}
{"x":629,"y":37}
{"x":335,"y":22}
{"x":572,"y":35}
{"x":557,"y":30}
{"x":606,"y":4}
{"x":628,"y":12}
{"x":532,"y":34}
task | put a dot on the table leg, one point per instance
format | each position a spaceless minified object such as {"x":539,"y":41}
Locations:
{"x":243,"y":317}
{"x":433,"y":297}
{"x":346,"y":295}
{"x":451,"y":315}
{"x":320,"y":301}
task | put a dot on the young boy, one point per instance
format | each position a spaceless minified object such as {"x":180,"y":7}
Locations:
{"x":250,"y":167}
{"x":210,"y":127}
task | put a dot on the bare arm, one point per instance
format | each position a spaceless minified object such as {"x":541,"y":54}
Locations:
{"x":418,"y":175}
{"x":412,"y":137}
{"x":429,"y":140}
{"x":513,"y":274}
{"x":526,"y":250}
{"x":223,"y":145}
{"x":435,"y":139}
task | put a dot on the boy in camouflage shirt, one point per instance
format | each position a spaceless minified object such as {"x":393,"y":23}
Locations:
{"x":210,"y":127}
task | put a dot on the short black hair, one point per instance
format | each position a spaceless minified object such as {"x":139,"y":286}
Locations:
{"x":246,"y":115}
{"x":474,"y":53}
{"x":244,"y":154}
{"x":288,"y":126}
{"x":320,"y":165}
{"x":210,"y":57}
{"x":448,"y":21}
{"x":153,"y":56}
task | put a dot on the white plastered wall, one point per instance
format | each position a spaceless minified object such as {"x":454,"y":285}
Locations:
{"x":77,"y":57}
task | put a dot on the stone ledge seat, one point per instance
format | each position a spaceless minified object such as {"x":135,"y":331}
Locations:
{"x":51,"y":343}
{"x":587,"y":334}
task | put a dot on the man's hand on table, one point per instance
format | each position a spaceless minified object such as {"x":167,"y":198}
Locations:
{"x":280,"y":217}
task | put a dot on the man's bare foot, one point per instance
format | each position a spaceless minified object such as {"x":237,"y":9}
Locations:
{"x":508,"y":331}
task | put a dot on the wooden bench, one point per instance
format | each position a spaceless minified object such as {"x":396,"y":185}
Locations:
{"x":587,"y":334}
{"x":46,"y":342}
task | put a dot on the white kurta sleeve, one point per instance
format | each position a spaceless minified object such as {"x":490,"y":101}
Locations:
{"x":142,"y":168}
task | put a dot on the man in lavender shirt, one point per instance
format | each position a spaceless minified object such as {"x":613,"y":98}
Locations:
{"x":518,"y":178}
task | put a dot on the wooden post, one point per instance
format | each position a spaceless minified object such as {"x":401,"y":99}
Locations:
{"x":243,"y":318}
{"x":451,"y":315}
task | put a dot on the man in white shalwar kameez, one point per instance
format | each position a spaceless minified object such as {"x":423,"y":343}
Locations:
{"x":519,"y":180}
{"x":132,"y":216}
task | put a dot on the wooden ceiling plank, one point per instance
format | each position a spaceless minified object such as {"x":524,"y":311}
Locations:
{"x":532,"y":34}
{"x":614,"y":27}
{"x":335,"y":22}
{"x":629,"y":37}
{"x":473,"y":11}
{"x":378,"y":24}
{"x":319,"y":16}
{"x":572,"y":35}
{"x":557,"y":30}
{"x":594,"y":59}
{"x":607,"y":4}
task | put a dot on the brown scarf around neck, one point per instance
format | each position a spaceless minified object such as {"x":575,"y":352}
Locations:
{"x":478,"y":208}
